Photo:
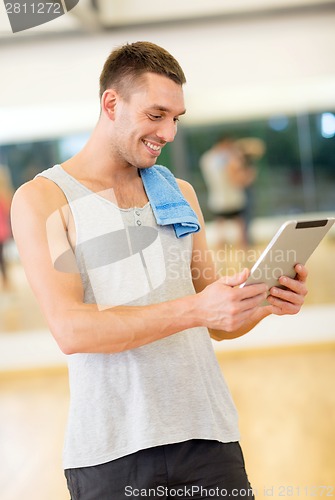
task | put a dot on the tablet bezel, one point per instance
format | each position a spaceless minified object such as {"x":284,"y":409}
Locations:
{"x":296,"y":247}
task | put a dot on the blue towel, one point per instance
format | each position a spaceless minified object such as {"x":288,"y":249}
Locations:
{"x":168,"y":203}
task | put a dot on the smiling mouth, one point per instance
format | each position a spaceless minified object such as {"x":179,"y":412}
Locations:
{"x":153,"y":147}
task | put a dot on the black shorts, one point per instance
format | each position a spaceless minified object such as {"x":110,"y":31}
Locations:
{"x":197,"y":469}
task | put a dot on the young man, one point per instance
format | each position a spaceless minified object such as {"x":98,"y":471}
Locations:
{"x":132,"y":305}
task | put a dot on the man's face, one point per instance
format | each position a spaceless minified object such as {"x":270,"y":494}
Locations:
{"x":147,"y":120}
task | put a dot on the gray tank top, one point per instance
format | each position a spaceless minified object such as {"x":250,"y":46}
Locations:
{"x":169,"y":391}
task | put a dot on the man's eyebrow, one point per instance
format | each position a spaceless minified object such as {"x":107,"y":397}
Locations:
{"x":166,"y":110}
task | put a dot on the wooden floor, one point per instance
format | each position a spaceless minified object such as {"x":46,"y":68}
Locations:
{"x":286,"y":403}
{"x":32,"y":422}
{"x":285,"y":398}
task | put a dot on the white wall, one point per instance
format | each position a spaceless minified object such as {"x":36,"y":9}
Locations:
{"x":235,"y":70}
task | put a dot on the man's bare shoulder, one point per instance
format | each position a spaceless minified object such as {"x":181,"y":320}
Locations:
{"x":189,"y":193}
{"x":38,"y":195}
{"x":186,"y":188}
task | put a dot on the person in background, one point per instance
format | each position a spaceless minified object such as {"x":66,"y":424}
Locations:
{"x":115,"y":250}
{"x":6,"y":193}
{"x":252,"y":150}
{"x":228,"y":172}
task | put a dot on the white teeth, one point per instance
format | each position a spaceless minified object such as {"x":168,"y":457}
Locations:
{"x":152,"y":146}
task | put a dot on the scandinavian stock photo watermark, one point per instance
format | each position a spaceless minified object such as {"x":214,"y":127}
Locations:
{"x":228,"y":261}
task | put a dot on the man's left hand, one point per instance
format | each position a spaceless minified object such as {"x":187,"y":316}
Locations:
{"x":290,"y":299}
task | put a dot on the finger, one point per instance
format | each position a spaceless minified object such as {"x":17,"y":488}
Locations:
{"x":252,"y":290}
{"x":236,"y":279}
{"x":302,"y":272}
{"x":287,"y":296}
{"x":294,"y":285}
{"x":253,"y":302}
{"x":280,"y":307}
{"x":243,"y":317}
{"x":251,"y":306}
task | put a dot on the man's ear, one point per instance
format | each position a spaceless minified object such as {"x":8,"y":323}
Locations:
{"x":108,"y":103}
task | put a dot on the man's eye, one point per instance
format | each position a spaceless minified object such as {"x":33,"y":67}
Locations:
{"x":154,"y":117}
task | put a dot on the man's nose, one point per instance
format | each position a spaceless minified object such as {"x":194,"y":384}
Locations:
{"x":167,"y":131}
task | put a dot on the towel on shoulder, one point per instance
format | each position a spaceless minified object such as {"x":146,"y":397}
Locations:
{"x":167,"y":201}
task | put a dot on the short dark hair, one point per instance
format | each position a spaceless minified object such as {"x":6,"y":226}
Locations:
{"x":127,"y":64}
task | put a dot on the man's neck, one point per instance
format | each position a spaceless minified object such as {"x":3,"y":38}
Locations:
{"x":121,"y":184}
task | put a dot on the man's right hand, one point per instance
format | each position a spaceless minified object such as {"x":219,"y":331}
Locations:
{"x":226,"y":307}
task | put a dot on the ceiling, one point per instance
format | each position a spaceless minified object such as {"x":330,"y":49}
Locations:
{"x":90,"y":16}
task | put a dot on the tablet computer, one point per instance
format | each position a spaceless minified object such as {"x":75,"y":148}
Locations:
{"x":294,"y":243}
